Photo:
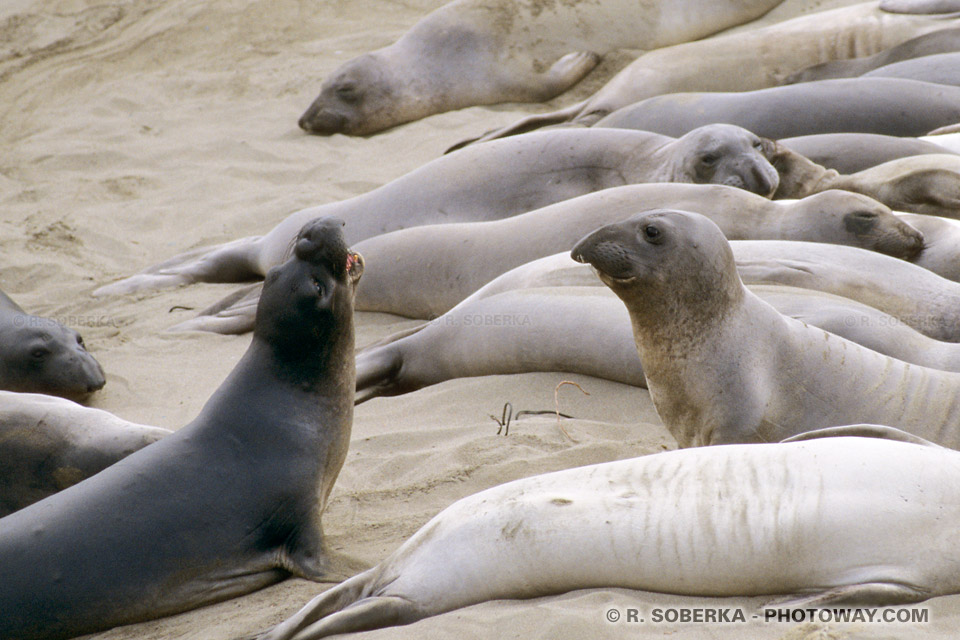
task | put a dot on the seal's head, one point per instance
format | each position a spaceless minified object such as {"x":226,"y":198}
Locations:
{"x":307,"y":302}
{"x":669,"y":267}
{"x":40,"y":355}
{"x":360,"y":98}
{"x":871,"y":224}
{"x":729,"y":155}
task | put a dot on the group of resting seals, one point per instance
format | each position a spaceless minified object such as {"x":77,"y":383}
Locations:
{"x":290,"y":398}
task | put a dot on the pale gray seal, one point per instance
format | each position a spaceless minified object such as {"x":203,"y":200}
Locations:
{"x":822,"y":519}
{"x":746,"y":61}
{"x":472,"y":52}
{"x":853,"y":152}
{"x":40,"y":355}
{"x":488,"y":183}
{"x":225,"y":505}
{"x":940,"y":41}
{"x":48,"y":444}
{"x":423,"y":271}
{"x":891,"y":106}
{"x":724,"y":366}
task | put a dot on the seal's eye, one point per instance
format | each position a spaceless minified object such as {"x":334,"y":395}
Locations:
{"x":709,"y":159}
{"x":651,"y":233}
{"x":348,"y":92}
{"x":865,"y":215}
{"x":758,"y":144}
{"x":80,"y":341}
{"x":319,"y":287}
{"x":39,"y":353}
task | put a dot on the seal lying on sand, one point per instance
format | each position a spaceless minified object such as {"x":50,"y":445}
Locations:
{"x":404,"y":279}
{"x":40,"y":355}
{"x":747,"y":61}
{"x":542,"y":329}
{"x":229,"y":503}
{"x":48,"y":444}
{"x":488,"y":182}
{"x":941,"y":41}
{"x":890,"y":106}
{"x":927,"y":184}
{"x":471,"y":52}
{"x":853,"y":152}
{"x":723,"y":366}
{"x":786,"y":518}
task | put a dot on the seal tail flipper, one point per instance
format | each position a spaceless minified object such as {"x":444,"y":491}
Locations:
{"x":524,"y":125}
{"x":365,"y":615}
{"x":230,"y":262}
{"x":862,"y":431}
{"x":233,"y":315}
{"x":918,"y":7}
{"x":325,"y":607}
{"x":867,"y":594}
{"x":378,"y":371}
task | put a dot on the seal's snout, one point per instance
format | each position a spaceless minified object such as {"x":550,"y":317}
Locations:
{"x":322,"y":122}
{"x":606,"y":251}
{"x":355,"y":265}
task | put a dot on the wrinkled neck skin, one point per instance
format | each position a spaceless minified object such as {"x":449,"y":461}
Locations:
{"x":691,"y":348}
{"x":801,"y":177}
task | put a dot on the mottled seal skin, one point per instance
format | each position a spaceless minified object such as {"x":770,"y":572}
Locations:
{"x":40,"y":355}
{"x":890,"y":106}
{"x":940,"y":41}
{"x":853,"y":152}
{"x":227,"y":504}
{"x":764,"y":519}
{"x":48,"y":444}
{"x":723,"y":366}
{"x":746,"y":61}
{"x":405,"y":279}
{"x":487,"y":182}
{"x":472,"y":52}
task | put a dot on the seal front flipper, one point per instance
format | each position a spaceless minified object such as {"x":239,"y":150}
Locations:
{"x":872,"y":594}
{"x":525,"y":125}
{"x":233,"y":315}
{"x":918,"y":7}
{"x":862,"y":431}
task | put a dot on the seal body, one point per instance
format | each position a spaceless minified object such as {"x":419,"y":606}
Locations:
{"x":761,"y":519}
{"x":891,"y":106}
{"x":487,"y":182}
{"x":852,"y":152}
{"x":723,"y":366}
{"x":48,"y":444}
{"x":470,"y":52}
{"x":936,"y":42}
{"x":40,"y":355}
{"x":747,"y":61}
{"x":406,"y":278}
{"x":227,"y":504}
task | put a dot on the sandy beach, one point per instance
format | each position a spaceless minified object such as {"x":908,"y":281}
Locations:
{"x":133,"y":130}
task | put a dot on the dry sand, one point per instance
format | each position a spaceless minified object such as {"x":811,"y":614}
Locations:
{"x":133,"y":130}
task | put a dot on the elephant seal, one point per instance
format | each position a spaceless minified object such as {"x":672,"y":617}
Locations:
{"x":723,"y":366}
{"x":404,"y":279}
{"x":940,"y":68}
{"x":941,"y":244}
{"x":48,"y":444}
{"x":767,"y":519}
{"x":40,"y":355}
{"x":746,"y":61}
{"x":852,"y":152}
{"x":227,"y":504}
{"x":473,"y":52}
{"x":528,"y":172}
{"x":891,"y":106}
{"x":940,"y":41}
{"x":927,"y":184}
